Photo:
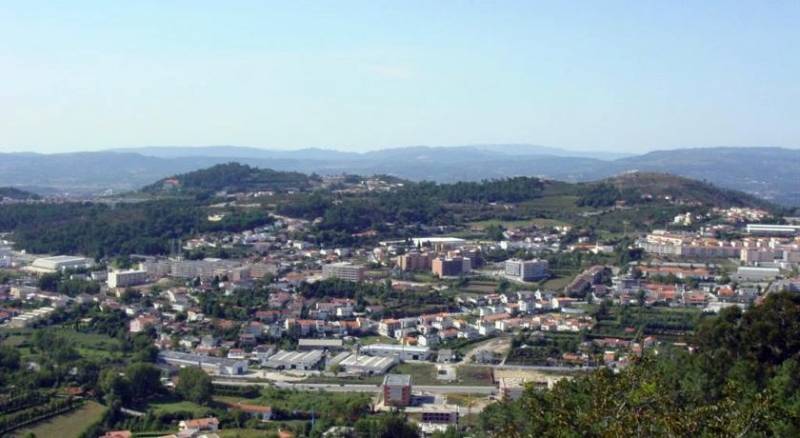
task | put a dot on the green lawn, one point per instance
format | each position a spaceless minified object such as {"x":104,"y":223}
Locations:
{"x":69,"y":425}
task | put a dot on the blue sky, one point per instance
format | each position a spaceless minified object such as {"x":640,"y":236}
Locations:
{"x":625,"y":76}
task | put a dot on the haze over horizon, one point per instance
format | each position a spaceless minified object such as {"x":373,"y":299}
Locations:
{"x":357,"y":76}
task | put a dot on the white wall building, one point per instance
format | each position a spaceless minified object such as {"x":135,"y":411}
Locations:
{"x":126,"y":278}
{"x":526,"y":270}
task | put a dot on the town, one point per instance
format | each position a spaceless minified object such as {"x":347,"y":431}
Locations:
{"x":437,"y":326}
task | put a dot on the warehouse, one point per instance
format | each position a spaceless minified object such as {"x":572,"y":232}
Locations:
{"x":295,"y":360}
{"x":209,"y":364}
{"x":363,"y":364}
{"x":317,"y":344}
{"x":402,"y":352}
{"x":59,"y":263}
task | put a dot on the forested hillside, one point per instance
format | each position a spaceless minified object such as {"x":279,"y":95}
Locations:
{"x":99,"y":229}
{"x":231,"y":177}
{"x":16,"y":194}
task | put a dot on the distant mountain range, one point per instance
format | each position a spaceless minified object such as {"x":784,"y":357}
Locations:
{"x":767,"y":172}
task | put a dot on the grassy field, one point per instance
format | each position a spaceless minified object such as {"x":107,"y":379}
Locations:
{"x":564,"y":203}
{"x":89,"y":345}
{"x":538,"y":222}
{"x":425,"y":374}
{"x":474,"y":376}
{"x":369,"y":340}
{"x":165,"y":407}
{"x":300,"y":401}
{"x":556,"y":284}
{"x":480,"y":287}
{"x":421,"y":373}
{"x":69,"y":425}
{"x":261,"y":433}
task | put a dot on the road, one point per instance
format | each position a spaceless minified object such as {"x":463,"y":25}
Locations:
{"x":346,"y":387}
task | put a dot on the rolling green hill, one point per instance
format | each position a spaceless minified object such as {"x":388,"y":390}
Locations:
{"x":15,"y":193}
{"x":231,"y":177}
{"x":637,"y":187}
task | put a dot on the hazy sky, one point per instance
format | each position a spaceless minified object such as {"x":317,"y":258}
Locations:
{"x":627,"y":76}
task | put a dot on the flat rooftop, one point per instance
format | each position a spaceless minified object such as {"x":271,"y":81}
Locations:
{"x":397,"y":380}
{"x":62,"y":259}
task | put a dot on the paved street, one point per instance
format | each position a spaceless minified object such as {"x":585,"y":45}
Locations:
{"x":332,"y":387}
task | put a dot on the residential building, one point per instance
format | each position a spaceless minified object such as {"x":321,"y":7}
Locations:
{"x":526,"y":270}
{"x":210,"y":424}
{"x":397,"y":390}
{"x":262,"y":413}
{"x":126,"y":278}
{"x":344,"y":271}
{"x":450,"y":266}
{"x":414,"y":261}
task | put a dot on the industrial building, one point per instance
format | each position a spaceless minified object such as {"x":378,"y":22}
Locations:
{"x":209,"y":364}
{"x":402,"y":352}
{"x":60,"y":263}
{"x":773,"y":229}
{"x":319,"y":344}
{"x":438,"y":244}
{"x":295,"y":360}
{"x":752,"y":273}
{"x":526,"y":270}
{"x":29,"y":318}
{"x":363,"y":364}
{"x":344,"y":271}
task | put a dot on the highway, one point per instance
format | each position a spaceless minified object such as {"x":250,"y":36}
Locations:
{"x":346,"y":387}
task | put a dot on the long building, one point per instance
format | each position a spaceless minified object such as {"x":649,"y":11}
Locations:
{"x":126,"y":278}
{"x":209,"y":364}
{"x":363,"y":364}
{"x":402,"y":352}
{"x":526,"y":270}
{"x":344,"y":271}
{"x":773,"y":229}
{"x":295,"y":360}
{"x":60,"y":263}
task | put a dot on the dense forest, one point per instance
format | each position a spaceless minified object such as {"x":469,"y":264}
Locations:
{"x":743,"y":380}
{"x":99,"y":230}
{"x":412,"y":205}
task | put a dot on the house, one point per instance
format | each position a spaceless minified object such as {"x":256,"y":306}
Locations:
{"x":210,"y":424}
{"x":118,"y":434}
{"x":141,"y":323}
{"x":263,"y":413}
